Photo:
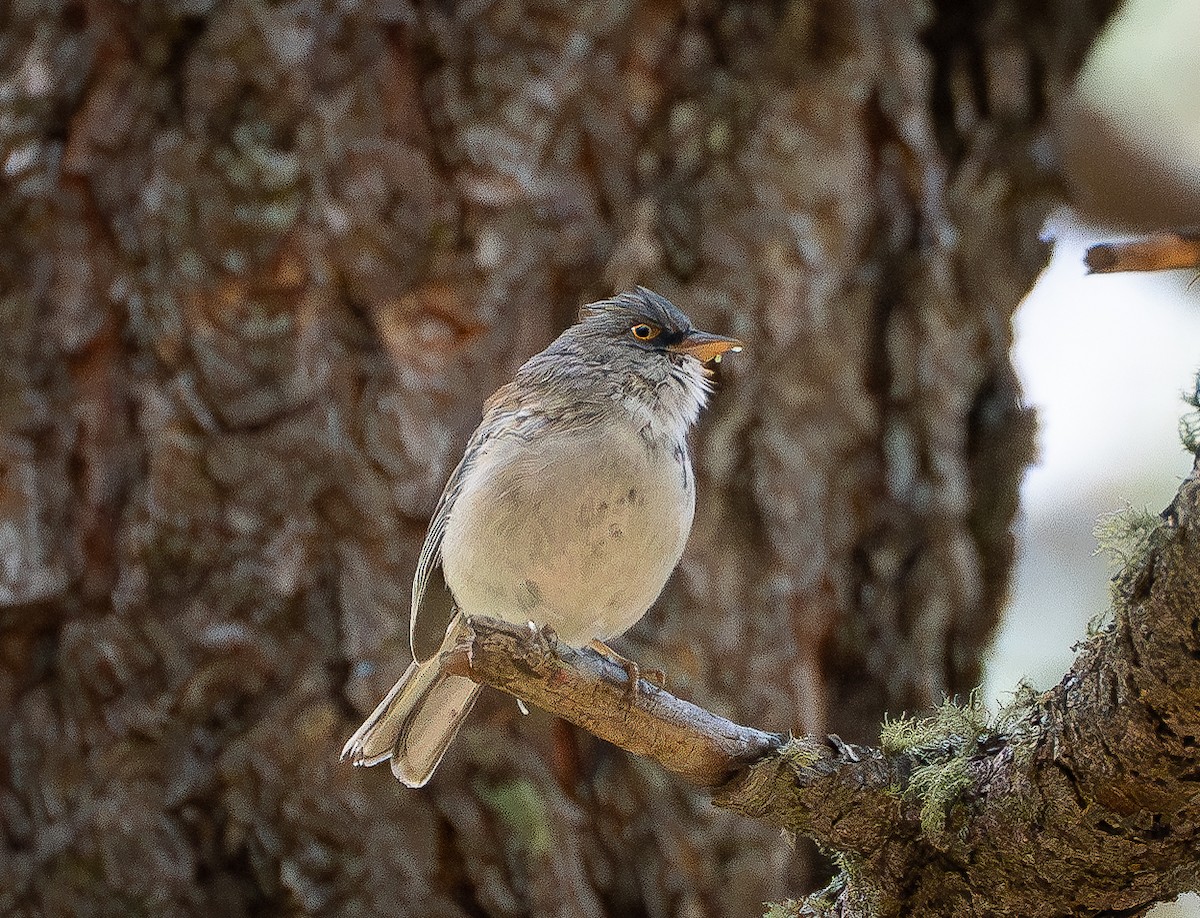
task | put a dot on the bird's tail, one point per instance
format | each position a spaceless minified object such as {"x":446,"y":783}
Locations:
{"x":415,"y":724}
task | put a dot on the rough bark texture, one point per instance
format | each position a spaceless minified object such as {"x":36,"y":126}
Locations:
{"x":259,"y":265}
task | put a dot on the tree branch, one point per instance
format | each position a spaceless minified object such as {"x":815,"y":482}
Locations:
{"x":1084,"y":801}
{"x":589,"y":690}
{"x":832,"y":788}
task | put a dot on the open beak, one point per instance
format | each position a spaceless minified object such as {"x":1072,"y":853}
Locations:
{"x":705,"y":347}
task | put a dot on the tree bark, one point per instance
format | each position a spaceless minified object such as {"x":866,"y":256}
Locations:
{"x":260,"y":264}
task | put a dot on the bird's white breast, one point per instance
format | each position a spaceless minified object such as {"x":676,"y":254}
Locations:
{"x":581,"y":533}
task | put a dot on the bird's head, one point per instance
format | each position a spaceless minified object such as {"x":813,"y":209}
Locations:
{"x":645,"y":322}
{"x":637,"y":349}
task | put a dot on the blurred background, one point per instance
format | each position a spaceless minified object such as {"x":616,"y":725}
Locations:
{"x":1106,"y":361}
{"x":261,"y":263}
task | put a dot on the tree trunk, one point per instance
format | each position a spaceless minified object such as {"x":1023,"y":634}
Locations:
{"x":260,"y":266}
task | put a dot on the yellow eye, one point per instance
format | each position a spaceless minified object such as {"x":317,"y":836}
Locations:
{"x":644,"y":332}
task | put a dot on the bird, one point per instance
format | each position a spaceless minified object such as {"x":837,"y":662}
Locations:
{"x":570,"y":509}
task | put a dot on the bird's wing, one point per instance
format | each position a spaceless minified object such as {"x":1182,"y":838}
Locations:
{"x":505,"y":415}
{"x":431,"y":597}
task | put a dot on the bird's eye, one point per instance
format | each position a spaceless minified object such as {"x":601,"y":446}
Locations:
{"x":644,"y":332}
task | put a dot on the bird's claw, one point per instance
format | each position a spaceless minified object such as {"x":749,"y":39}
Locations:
{"x":657,"y":678}
{"x":543,"y":640}
{"x":633,"y":673}
{"x":633,"y":676}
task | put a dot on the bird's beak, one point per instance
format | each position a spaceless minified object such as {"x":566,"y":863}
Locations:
{"x":705,"y":347}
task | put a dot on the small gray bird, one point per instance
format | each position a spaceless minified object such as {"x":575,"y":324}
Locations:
{"x":570,"y":508}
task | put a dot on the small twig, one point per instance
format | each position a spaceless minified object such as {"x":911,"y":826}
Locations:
{"x":1155,"y":252}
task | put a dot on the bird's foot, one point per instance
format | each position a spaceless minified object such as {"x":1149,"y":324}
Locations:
{"x":657,"y":678}
{"x":543,"y":640}
{"x":633,"y":672}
